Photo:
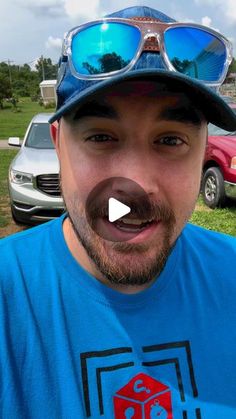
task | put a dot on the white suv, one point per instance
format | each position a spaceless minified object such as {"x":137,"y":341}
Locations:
{"x":34,"y":187}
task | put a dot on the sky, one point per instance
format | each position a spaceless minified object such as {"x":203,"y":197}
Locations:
{"x":33,"y":28}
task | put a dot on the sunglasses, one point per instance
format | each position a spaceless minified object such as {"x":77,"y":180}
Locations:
{"x":111,"y":46}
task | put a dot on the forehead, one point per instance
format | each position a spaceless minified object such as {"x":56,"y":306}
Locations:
{"x":141,"y":96}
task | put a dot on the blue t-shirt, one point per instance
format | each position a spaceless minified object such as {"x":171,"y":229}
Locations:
{"x":71,"y":347}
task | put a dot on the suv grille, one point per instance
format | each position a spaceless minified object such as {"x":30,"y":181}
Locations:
{"x":49,"y":184}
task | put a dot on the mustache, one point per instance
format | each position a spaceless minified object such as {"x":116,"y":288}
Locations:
{"x":141,"y":208}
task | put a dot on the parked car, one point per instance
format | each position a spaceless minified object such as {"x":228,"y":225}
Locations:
{"x":228,"y":99}
{"x":33,"y":181}
{"x":219,"y":171}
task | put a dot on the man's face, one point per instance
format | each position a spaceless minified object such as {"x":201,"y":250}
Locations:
{"x":152,"y":137}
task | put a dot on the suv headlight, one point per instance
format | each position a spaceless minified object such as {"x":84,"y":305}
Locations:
{"x":20,"y":177}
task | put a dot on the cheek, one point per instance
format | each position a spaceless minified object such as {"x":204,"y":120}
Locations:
{"x":79,"y":175}
{"x":183,"y":187}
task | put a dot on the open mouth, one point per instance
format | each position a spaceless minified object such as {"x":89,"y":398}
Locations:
{"x":134,"y":225}
{"x":127,"y":229}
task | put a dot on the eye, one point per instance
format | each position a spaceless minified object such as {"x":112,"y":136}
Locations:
{"x":170,"y":140}
{"x":100,"y":138}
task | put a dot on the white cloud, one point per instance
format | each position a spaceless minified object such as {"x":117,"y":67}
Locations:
{"x":45,"y":8}
{"x":76,"y":9}
{"x":41,"y":3}
{"x":230,"y":10}
{"x":185,"y":20}
{"x":227,"y":8}
{"x":207,"y":21}
{"x":53,"y":43}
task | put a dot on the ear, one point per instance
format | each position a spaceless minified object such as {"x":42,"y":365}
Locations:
{"x":54,"y":131}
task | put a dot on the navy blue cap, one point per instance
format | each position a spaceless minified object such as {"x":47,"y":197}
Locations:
{"x":73,"y":92}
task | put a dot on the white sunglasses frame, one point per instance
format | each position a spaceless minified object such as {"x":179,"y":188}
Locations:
{"x":147,"y":27}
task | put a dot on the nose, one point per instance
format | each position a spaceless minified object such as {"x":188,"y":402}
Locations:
{"x":141,"y":170}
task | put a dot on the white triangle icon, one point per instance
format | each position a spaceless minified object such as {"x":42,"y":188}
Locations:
{"x":116,"y":209}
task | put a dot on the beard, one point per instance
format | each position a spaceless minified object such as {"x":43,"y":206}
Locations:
{"x":123,"y":263}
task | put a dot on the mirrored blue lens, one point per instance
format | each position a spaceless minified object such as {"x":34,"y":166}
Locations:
{"x":104,"y":47}
{"x":196,"y":53}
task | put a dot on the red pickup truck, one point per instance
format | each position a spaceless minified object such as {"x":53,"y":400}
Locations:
{"x":219,"y":170}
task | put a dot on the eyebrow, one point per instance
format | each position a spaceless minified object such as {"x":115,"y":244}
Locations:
{"x":97,"y":109}
{"x":185,"y":113}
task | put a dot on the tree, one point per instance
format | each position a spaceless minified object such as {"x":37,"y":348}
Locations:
{"x":107,"y":63}
{"x":5,"y":88}
{"x":182,"y":66}
{"x":25,"y":82}
{"x":112,"y":62}
{"x":46,"y":69}
{"x":232,"y":67}
{"x":20,"y":80}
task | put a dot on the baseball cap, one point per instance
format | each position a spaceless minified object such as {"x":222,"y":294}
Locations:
{"x":73,"y":92}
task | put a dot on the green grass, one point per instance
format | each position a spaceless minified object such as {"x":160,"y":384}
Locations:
{"x":14,"y":123}
{"x":4,"y":221}
{"x":222,"y":220}
{"x":6,"y":157}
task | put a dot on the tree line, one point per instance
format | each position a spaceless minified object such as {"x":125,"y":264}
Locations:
{"x":20,"y":80}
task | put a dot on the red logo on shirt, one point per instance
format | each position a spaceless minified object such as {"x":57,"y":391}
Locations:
{"x":143,"y":398}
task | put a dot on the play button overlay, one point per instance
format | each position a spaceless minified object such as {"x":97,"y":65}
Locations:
{"x":118,"y":209}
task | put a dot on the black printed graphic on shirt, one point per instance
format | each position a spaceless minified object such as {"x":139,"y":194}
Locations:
{"x":145,"y":395}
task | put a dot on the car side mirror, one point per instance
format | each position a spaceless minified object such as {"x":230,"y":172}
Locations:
{"x":14,"y":141}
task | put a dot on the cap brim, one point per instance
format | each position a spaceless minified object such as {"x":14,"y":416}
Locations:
{"x":214,"y":108}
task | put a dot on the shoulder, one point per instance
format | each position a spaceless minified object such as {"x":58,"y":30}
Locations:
{"x":19,"y":240}
{"x":208,"y":238}
{"x":204,"y":248}
{"x":28,"y":246}
{"x":208,"y":262}
{"x":29,"y":266}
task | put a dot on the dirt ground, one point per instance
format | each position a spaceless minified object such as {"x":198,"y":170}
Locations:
{"x":11,"y":226}
{"x":10,"y":229}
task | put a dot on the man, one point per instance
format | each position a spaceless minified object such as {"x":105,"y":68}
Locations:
{"x":119,"y":309}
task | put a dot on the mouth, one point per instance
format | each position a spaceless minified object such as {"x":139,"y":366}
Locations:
{"x":128,"y":229}
{"x":132,"y":225}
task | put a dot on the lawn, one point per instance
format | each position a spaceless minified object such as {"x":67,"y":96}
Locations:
{"x":219,"y":219}
{"x":5,"y":216}
{"x":223,"y":220}
{"x":13,"y":123}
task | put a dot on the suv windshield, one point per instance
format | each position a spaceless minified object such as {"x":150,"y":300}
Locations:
{"x":39,"y":136}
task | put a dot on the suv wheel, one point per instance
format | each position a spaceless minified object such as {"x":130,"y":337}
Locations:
{"x":213,"y":189}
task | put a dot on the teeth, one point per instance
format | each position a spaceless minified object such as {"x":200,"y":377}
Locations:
{"x":133,"y":221}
